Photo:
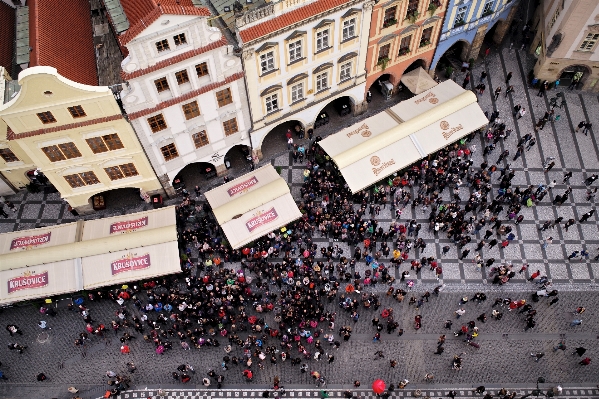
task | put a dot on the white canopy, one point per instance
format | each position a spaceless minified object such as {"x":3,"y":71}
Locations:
{"x":418,"y":81}
{"x":381,"y":145}
{"x":253,"y":205}
{"x":48,"y":261}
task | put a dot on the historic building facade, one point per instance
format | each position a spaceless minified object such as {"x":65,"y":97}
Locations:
{"x":75,"y":135}
{"x":403,"y":35}
{"x":565,"y":43}
{"x":184,"y":91}
{"x":468,"y":22}
{"x":299,"y":56}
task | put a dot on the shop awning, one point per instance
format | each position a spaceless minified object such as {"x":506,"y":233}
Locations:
{"x":418,"y":81}
{"x":130,"y":265}
{"x":419,"y":104}
{"x":54,"y":255}
{"x":253,"y":205}
{"x":382,"y":144}
{"x":40,"y":281}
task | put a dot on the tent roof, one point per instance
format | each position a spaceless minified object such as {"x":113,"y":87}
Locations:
{"x":418,"y":81}
{"x":382,"y":144}
{"x":253,"y":205}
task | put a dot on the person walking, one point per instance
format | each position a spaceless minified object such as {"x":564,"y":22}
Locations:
{"x":587,"y":127}
{"x":534,"y":275}
{"x":569,"y":223}
{"x":579,"y":351}
{"x":497,"y":92}
{"x":13,"y":329}
{"x":586,"y":216}
{"x":521,"y":113}
{"x":591,"y":179}
{"x":547,"y":242}
{"x":575,"y":322}
{"x":507,"y":82}
{"x":537,"y":356}
{"x":483,"y":75}
{"x":510,"y":89}
{"x":585,"y":362}
{"x":580,"y":126}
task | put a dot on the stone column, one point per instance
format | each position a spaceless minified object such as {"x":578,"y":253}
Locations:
{"x":257,"y":153}
{"x":464,"y":54}
{"x":87,"y":209}
{"x":502,"y":26}
{"x":165,"y":181}
{"x":221,"y":170}
{"x":477,"y":42}
{"x":360,"y":108}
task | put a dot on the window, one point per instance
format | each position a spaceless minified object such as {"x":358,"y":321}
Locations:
{"x":182,"y":77}
{"x":61,"y":152}
{"x":224,"y":97}
{"x":230,"y":126}
{"x":202,"y":69}
{"x":82,"y":179}
{"x":384,"y":51}
{"x":460,"y":16}
{"x":109,"y":142}
{"x":161,"y":84}
{"x":76,"y":111}
{"x":322,"y":81}
{"x":404,"y":45}
{"x":267,"y":62}
{"x":349,"y":28}
{"x":322,"y":40}
{"x":162,"y":45}
{"x":389,"y":17}
{"x":200,"y":139}
{"x":488,"y":8}
{"x":46,"y":117}
{"x":297,"y":92}
{"x":426,"y":36}
{"x":157,"y":123}
{"x":295,"y":51}
{"x":169,"y":152}
{"x":121,"y":171}
{"x":180,"y":39}
{"x":345,"y":72}
{"x":8,"y":155}
{"x":588,"y":43}
{"x":272,"y":103}
{"x":191,"y":110}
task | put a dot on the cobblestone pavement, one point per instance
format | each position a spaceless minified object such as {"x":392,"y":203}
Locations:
{"x":504,"y":354}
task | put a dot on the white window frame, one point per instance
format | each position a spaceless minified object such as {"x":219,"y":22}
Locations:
{"x":322,"y":40}
{"x":349,"y":29}
{"x":460,"y":15}
{"x":295,"y":51}
{"x":322,"y":81}
{"x":589,"y":42}
{"x":267,"y":61}
{"x":345,"y":71}
{"x":272,"y":103}
{"x":297,"y":92}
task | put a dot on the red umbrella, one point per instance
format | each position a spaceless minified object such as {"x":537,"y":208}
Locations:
{"x":245,"y":251}
{"x":378,"y":386}
{"x":306,"y":253}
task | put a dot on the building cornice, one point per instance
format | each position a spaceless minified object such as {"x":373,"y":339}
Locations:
{"x":10,"y":135}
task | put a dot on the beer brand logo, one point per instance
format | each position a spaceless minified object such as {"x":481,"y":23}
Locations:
{"x":128,"y":225}
{"x":429,"y":96}
{"x":30,"y":242}
{"x":448,"y":133}
{"x":364,"y":127}
{"x":375,"y":161}
{"x":28,"y":280}
{"x":261,"y":218}
{"x":130,"y":262}
{"x":238,"y":188}
{"x":444,"y":125}
{"x":378,"y":169}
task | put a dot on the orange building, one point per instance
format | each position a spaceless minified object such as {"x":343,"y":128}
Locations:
{"x":403,"y":37}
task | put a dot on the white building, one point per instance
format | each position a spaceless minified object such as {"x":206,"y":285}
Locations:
{"x":185,"y":95}
{"x":299,"y":56}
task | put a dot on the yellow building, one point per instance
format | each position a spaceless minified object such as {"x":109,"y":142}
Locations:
{"x":75,"y":134}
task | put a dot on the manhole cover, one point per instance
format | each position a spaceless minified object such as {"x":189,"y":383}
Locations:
{"x":43,"y":337}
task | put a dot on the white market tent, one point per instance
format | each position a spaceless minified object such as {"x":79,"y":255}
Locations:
{"x":391,"y":140}
{"x":253,"y":205}
{"x":88,"y":254}
{"x":418,"y":81}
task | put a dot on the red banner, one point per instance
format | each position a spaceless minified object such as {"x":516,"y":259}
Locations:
{"x":263,"y":218}
{"x":130,"y":263}
{"x":28,"y":280}
{"x":128,"y":225}
{"x":244,"y":185}
{"x":31,"y":241}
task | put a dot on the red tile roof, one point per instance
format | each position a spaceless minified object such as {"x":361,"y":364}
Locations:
{"x":142,"y":13}
{"x":185,"y":97}
{"x":174,"y":60}
{"x":288,"y":19}
{"x":7,"y":33}
{"x":10,"y":135}
{"x":61,"y":36}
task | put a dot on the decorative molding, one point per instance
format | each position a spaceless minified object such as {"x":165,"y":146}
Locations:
{"x":265,"y":46}
{"x":347,"y":57}
{"x":297,"y":78}
{"x":324,"y":22}
{"x":322,"y":67}
{"x":271,"y":89}
{"x":387,"y":38}
{"x":10,"y":135}
{"x":297,"y":33}
{"x":255,"y":15}
{"x":352,"y":11}
{"x":248,"y":54}
{"x":593,"y":28}
{"x":368,"y":5}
